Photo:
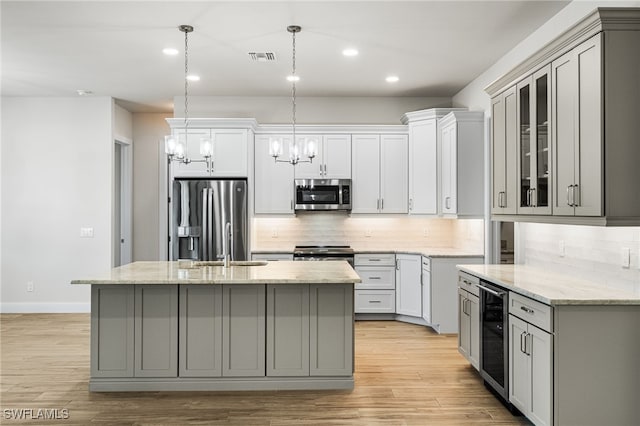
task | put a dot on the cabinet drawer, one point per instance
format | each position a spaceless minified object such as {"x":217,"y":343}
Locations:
{"x":468,"y":283}
{"x":383,"y":259}
{"x":531,"y":311}
{"x":375,"y":301}
{"x":376,"y":278}
{"x":272,"y":256}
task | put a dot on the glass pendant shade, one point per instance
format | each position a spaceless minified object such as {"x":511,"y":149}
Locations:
{"x":294,"y":152}
{"x":180,"y":150}
{"x":170,"y":144}
{"x":310,"y":147}
{"x":275,"y":147}
{"x":206,"y":147}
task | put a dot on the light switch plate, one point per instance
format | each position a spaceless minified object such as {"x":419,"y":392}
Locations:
{"x":561,"y":248}
{"x":86,"y":232}
{"x":625,"y":257}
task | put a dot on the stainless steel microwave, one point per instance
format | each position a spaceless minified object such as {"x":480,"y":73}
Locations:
{"x":322,"y":194}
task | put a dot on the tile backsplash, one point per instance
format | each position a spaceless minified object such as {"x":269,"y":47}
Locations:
{"x":363,"y":232}
{"x":590,"y":252}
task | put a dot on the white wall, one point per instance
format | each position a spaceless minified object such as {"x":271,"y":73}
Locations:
{"x":56,"y":178}
{"x":473,"y":95}
{"x":310,"y":110}
{"x":590,"y":252}
{"x":148,"y":161}
{"x":122,"y":124}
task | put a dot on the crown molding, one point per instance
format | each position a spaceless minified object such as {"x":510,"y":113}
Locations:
{"x":601,"y":19}
{"x":427,"y":114}
{"x":214,"y":123}
{"x":333,"y":128}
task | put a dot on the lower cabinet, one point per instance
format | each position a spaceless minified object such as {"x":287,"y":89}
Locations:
{"x":331,"y":330}
{"x":200,"y":341}
{"x":376,"y":293}
{"x":112,"y":330}
{"x":469,"y":323}
{"x":287,"y":330}
{"x":409,"y":285}
{"x":156,"y":331}
{"x":243,"y":330}
{"x":530,"y":372}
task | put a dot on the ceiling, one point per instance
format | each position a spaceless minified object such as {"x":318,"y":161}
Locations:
{"x":114,"y":48}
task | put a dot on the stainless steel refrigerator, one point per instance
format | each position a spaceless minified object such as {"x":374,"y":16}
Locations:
{"x":199,"y":213}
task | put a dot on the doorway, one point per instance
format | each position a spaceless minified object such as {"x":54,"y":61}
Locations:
{"x":122,"y":203}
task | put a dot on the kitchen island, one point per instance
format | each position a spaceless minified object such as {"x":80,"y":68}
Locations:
{"x":201,"y":326}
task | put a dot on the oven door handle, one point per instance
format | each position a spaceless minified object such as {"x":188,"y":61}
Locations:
{"x":488,"y":290}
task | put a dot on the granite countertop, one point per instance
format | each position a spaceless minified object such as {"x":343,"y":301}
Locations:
{"x":549,"y":287}
{"x":426,"y":251}
{"x":283,"y":272}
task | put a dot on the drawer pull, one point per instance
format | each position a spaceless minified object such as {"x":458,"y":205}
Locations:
{"x":374,"y":260}
{"x":527,"y":310}
{"x":375,"y":278}
{"x":375,"y":301}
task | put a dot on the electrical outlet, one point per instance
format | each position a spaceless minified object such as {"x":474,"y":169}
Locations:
{"x":625,"y":257}
{"x":274,"y":233}
{"x":425,"y":232}
{"x":86,"y":232}
{"x":561,"y":248}
{"x":367,"y":233}
{"x":29,"y":286}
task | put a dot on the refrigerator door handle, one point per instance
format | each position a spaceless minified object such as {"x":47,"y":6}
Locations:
{"x":205,"y":227}
{"x":209,"y":220}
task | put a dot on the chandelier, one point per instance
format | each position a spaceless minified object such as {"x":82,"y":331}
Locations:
{"x":174,"y":147}
{"x":276,"y":144}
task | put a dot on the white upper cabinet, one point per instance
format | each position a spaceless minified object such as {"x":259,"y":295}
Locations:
{"x":462,"y":164}
{"x":379,"y":173}
{"x":273,"y":189}
{"x":332,"y":160}
{"x":423,"y":159}
{"x":230,"y":152}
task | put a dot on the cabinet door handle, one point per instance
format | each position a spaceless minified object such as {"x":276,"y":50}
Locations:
{"x":523,"y":342}
{"x":501,"y":199}
{"x":381,"y":203}
{"x":575,"y":195}
{"x":534,"y":200}
{"x":320,"y":165}
{"x":397,"y":265}
{"x":527,"y":344}
{"x":291,"y":204}
{"x":568,"y":198}
{"x":446,"y":202}
{"x":410,"y":204}
{"x":527,"y":310}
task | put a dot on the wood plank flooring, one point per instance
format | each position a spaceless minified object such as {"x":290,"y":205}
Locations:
{"x":405,"y":375}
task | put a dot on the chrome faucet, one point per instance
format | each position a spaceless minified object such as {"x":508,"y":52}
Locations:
{"x":226,"y":246}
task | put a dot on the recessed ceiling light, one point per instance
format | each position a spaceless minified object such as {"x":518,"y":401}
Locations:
{"x":170,"y":51}
{"x":193,"y":77}
{"x":293,"y":78}
{"x":350,"y":52}
{"x":83,"y":92}
{"x":392,"y":79}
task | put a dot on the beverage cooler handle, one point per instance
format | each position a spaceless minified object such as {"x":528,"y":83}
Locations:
{"x":205,"y":228}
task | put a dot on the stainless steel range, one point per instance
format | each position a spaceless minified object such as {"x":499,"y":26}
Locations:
{"x":324,"y":253}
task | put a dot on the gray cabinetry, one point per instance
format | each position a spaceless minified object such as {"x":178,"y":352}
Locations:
{"x":287,"y":330}
{"x":200,"y":345}
{"x":112,"y":330}
{"x":156,"y":331}
{"x":331,"y":330}
{"x":503,"y":153}
{"x":590,"y":117}
{"x":469,"y":318}
{"x":243,"y":330}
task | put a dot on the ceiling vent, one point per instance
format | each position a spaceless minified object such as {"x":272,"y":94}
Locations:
{"x":262,"y":56}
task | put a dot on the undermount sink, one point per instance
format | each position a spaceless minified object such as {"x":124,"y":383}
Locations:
{"x":231,"y":263}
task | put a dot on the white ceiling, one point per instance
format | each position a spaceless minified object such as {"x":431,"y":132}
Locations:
{"x":113,"y":48}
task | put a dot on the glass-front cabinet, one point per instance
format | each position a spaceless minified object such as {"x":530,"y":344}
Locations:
{"x":533,"y":110}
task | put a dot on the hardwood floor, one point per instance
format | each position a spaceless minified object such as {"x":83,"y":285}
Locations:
{"x":405,"y":375}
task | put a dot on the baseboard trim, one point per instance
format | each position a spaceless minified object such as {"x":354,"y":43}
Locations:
{"x":44,"y":308}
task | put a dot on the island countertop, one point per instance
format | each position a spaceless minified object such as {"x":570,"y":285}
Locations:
{"x":282,"y":272}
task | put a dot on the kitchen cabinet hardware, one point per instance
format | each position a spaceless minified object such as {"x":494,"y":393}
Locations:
{"x":488,"y":290}
{"x":527,"y":310}
{"x":375,"y":301}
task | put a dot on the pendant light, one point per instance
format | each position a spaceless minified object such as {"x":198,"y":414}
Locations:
{"x":276,"y":144}
{"x":175,"y":148}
